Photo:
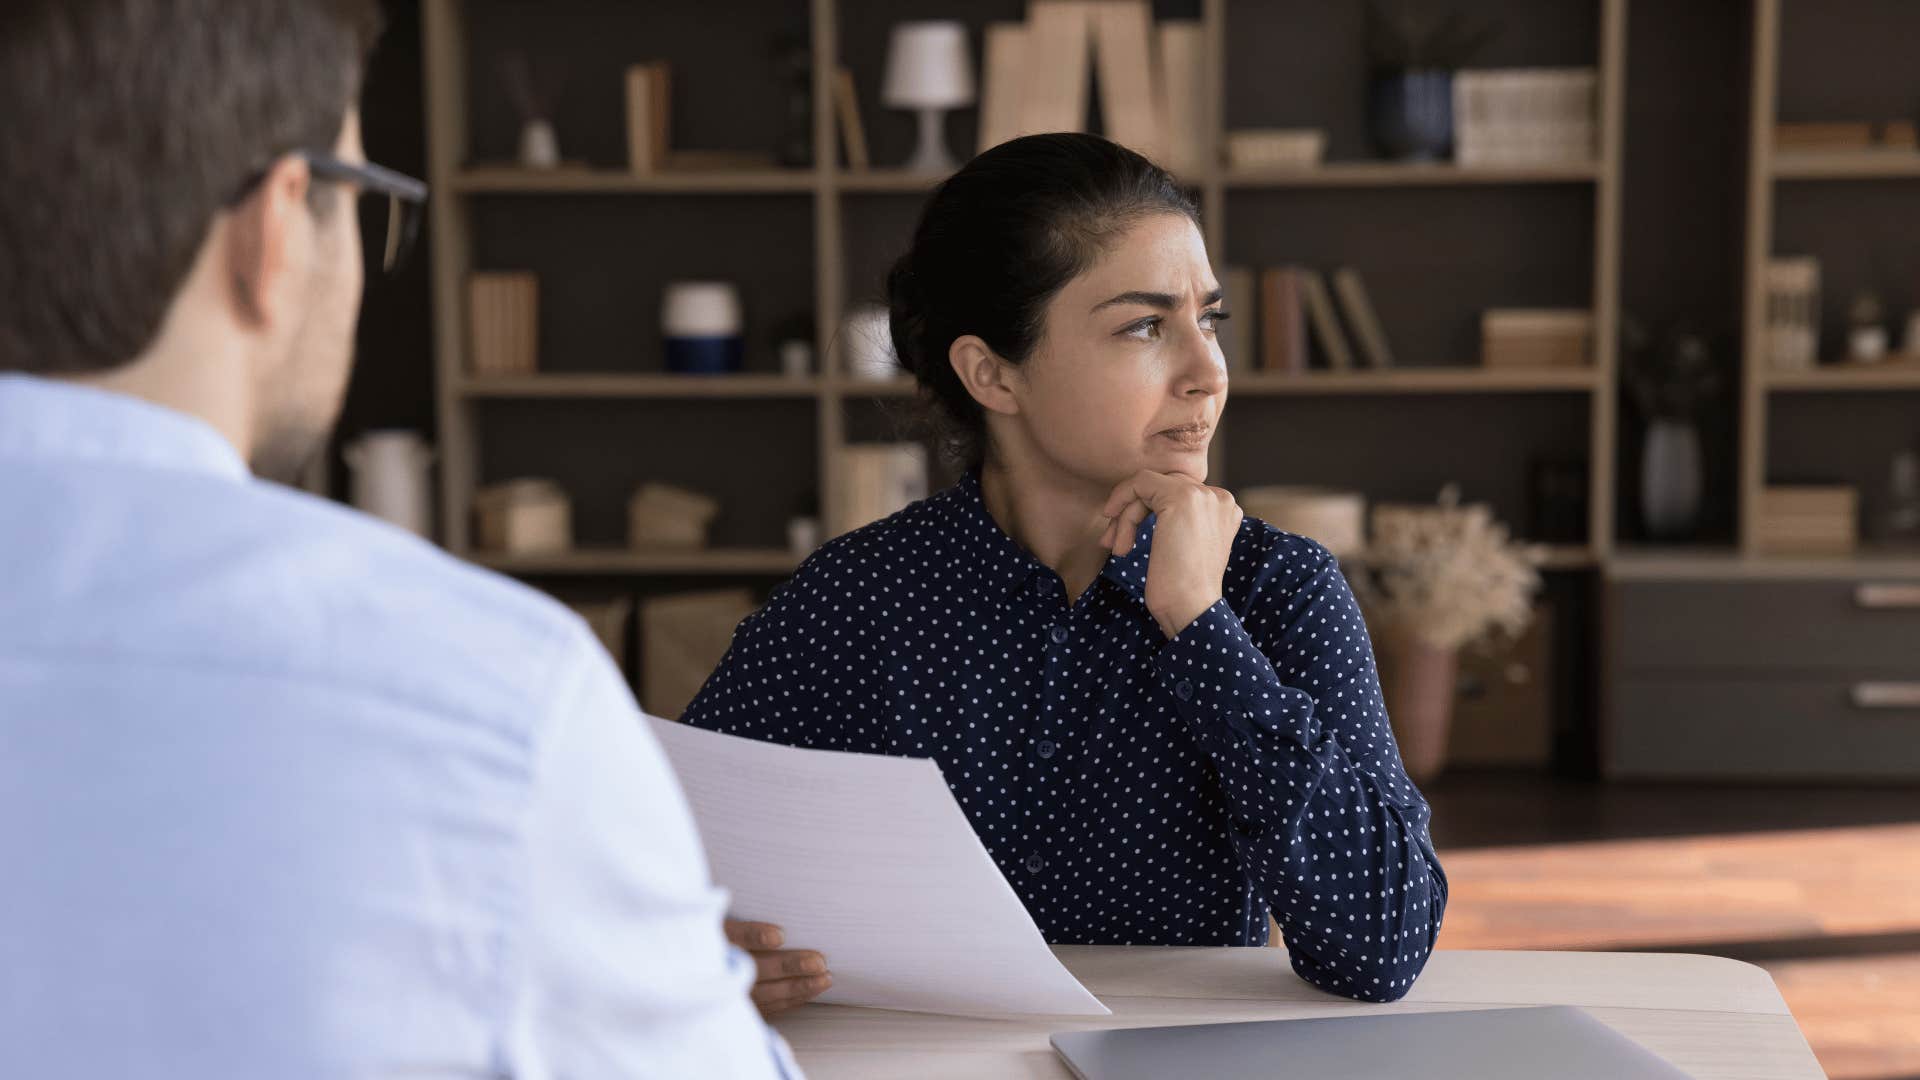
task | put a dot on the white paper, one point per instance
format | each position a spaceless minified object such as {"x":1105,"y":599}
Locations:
{"x":869,"y":860}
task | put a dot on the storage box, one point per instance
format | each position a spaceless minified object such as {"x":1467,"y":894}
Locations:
{"x":662,"y":516}
{"x":683,"y":638}
{"x":1536,"y":337}
{"x":1276,"y":148}
{"x":1808,"y":520}
{"x":503,"y":323}
{"x":1336,"y":519}
{"x":523,"y":517}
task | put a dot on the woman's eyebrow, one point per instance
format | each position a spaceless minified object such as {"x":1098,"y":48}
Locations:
{"x":1163,"y":301}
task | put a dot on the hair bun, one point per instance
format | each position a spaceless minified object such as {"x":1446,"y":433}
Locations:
{"x":906,"y":315}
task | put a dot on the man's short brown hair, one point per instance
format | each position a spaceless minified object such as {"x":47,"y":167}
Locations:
{"x":129,"y":125}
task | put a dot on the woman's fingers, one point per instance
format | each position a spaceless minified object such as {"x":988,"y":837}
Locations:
{"x":781,"y":994}
{"x":753,"y":935}
{"x":1126,"y":525}
{"x":789,"y":963}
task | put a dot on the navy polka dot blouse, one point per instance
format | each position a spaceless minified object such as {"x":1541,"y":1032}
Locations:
{"x":1133,"y":789}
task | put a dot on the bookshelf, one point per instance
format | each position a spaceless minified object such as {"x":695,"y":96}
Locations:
{"x":816,"y":239}
{"x":1834,"y":205}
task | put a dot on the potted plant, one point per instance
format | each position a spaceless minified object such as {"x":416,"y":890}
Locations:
{"x":1412,"y":53}
{"x":1670,"y":387}
{"x":1435,"y":579}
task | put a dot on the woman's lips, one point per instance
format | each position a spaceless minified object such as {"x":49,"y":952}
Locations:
{"x":1187,"y":438}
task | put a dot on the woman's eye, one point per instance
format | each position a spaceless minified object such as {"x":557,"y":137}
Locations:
{"x":1141,"y":328}
{"x":1213,"y":318}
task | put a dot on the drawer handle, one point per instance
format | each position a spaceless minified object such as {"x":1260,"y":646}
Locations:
{"x":1887,"y":596}
{"x":1886,"y":695}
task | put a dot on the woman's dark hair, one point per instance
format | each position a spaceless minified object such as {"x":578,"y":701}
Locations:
{"x":996,"y":241}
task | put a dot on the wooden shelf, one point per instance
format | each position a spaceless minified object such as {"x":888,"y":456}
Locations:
{"x":875,"y":388}
{"x":1569,"y":557}
{"x":639,"y":386}
{"x":762,"y":561}
{"x":1846,"y":165}
{"x":512,"y":180}
{"x":1890,"y":375}
{"x":1407,"y":174}
{"x":1724,"y":563}
{"x":885,"y":180}
{"x":1438,"y":380}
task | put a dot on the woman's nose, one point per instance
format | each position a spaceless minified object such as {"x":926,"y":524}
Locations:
{"x":1204,"y":371}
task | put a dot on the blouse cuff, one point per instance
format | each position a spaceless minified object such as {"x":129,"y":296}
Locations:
{"x":1215,"y":673}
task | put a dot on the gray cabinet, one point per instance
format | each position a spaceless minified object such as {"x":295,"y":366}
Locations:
{"x":1762,"y":679}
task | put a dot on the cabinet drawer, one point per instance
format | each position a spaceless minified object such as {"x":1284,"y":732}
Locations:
{"x":1764,"y":730}
{"x":1767,"y":626}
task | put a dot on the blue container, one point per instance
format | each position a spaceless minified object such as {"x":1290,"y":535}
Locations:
{"x":704,"y":355}
{"x":1411,"y":114}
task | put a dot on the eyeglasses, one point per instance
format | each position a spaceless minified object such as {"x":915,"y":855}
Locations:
{"x":405,"y":198}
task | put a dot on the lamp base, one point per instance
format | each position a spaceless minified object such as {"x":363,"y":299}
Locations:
{"x":931,"y":155}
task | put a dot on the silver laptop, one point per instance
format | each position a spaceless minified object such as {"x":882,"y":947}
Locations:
{"x":1549,"y":1042}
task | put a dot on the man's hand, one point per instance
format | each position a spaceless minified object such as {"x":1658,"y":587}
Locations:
{"x":786,"y":977}
{"x":1192,"y":540}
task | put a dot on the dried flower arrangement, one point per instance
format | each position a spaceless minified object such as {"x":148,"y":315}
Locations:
{"x":1448,"y":575}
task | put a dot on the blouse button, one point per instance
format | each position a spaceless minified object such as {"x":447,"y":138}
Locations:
{"x":1183,"y":690}
{"x":1035,"y":864}
{"x":1045,"y":748}
{"x":1059,"y":635}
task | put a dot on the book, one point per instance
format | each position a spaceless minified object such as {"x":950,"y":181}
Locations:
{"x":1326,"y":325}
{"x":1283,"y":324}
{"x":648,"y":112}
{"x":1793,"y":312}
{"x":1361,"y":318}
{"x":1236,"y":335}
{"x":1183,"y":96}
{"x":846,"y":104}
{"x":878,"y":479}
{"x":1122,"y":36}
{"x":1004,"y":84}
{"x":1054,"y":94}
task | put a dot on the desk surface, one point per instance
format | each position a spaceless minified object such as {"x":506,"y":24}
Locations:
{"x":1711,"y":1016}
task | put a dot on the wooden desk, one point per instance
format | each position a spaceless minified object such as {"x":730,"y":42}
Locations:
{"x":1711,"y":1016}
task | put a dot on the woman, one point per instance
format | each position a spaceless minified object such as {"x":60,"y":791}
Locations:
{"x":1161,"y":716}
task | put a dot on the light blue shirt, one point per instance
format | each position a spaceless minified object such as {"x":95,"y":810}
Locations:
{"x":286,"y":792}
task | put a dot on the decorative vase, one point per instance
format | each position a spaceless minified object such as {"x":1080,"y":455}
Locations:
{"x":1670,"y":480}
{"x":1418,"y":680}
{"x":1411,"y":114}
{"x":539,"y":145}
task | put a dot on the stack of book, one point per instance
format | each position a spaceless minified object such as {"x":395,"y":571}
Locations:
{"x":1536,"y":337}
{"x":876,"y":480}
{"x":1793,"y":313}
{"x":1851,"y":136}
{"x":503,"y":323}
{"x":1299,"y":328}
{"x":650,"y":134}
{"x":1151,"y":78}
{"x":1809,"y":520}
{"x":1527,"y":116}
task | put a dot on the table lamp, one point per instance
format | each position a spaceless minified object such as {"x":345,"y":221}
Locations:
{"x":928,"y":69}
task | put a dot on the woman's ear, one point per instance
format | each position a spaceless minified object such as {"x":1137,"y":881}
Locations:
{"x":984,"y":374}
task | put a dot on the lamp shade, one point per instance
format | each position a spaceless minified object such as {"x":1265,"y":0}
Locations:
{"x":928,"y":67}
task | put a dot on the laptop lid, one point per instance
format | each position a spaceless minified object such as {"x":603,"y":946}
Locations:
{"x":1558,"y":1041}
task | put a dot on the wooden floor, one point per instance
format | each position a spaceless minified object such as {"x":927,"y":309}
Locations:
{"x":1819,"y":886}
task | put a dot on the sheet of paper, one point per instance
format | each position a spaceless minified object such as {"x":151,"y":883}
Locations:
{"x":869,"y":860}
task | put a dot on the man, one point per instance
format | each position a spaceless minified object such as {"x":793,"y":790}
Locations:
{"x":283,"y":792}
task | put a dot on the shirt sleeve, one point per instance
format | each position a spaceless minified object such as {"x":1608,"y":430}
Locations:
{"x":628,"y":972}
{"x":770,"y":683}
{"x":1328,"y":826}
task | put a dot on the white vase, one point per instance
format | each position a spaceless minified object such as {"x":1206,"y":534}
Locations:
{"x":1670,"y":479}
{"x":539,"y":145}
{"x":392,"y":478}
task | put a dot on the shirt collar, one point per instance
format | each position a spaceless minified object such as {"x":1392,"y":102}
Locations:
{"x":999,"y":558}
{"x":48,"y":418}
